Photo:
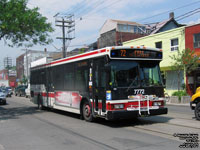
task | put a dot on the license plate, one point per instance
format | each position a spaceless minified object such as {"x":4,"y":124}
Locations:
{"x":131,"y":108}
{"x":143,"y":109}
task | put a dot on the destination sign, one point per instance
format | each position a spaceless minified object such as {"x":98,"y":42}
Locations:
{"x":135,"y":53}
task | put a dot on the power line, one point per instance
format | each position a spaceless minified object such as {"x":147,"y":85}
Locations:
{"x":115,"y":2}
{"x":169,"y":11}
{"x":77,"y":7}
{"x":190,"y":13}
{"x":93,"y":5}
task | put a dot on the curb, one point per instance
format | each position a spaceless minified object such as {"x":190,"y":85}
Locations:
{"x":178,"y":104}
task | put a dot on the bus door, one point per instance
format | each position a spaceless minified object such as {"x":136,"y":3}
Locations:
{"x":99,"y":84}
{"x":49,"y":86}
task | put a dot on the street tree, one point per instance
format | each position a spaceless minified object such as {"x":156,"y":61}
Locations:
{"x":184,"y":60}
{"x":23,"y":26}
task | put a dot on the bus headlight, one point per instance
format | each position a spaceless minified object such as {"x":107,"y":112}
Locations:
{"x":118,"y":106}
{"x":157,"y":103}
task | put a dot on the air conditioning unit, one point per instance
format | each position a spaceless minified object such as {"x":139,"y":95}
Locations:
{"x":174,"y":48}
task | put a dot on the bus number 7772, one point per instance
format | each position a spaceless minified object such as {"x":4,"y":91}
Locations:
{"x":111,"y":83}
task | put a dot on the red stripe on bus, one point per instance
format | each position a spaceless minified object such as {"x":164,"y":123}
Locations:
{"x":103,"y":50}
{"x":49,"y":95}
{"x":76,"y":57}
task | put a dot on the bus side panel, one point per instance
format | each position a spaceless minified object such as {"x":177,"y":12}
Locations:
{"x":68,"y":98}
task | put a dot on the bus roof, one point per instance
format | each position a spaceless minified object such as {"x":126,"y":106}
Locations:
{"x":47,"y":62}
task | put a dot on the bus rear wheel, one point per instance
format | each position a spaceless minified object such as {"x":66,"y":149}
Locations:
{"x":87,"y":112}
{"x":197,"y":111}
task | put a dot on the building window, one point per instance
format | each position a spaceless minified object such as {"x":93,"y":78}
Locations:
{"x":197,"y":40}
{"x":120,"y":27}
{"x":172,"y":79}
{"x":158,"y":45}
{"x":130,"y":28}
{"x":135,"y":29}
{"x":125,"y":28}
{"x":174,"y":44}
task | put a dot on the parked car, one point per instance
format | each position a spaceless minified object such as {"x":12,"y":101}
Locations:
{"x":7,"y":91}
{"x":20,"y":90}
{"x":10,"y":91}
{"x":195,"y":103}
{"x":2,"y":97}
{"x":28,"y":91}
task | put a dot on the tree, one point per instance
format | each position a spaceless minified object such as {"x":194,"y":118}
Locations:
{"x":184,"y":60}
{"x":24,"y":80}
{"x":22,"y":26}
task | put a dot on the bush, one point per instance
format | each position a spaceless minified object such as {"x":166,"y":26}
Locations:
{"x":179,"y":94}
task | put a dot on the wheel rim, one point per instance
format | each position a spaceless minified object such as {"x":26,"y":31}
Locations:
{"x":87,"y":111}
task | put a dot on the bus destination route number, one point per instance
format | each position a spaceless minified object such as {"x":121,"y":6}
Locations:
{"x":135,"y":53}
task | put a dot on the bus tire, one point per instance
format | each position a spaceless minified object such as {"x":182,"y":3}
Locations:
{"x":197,"y":111}
{"x":87,"y":111}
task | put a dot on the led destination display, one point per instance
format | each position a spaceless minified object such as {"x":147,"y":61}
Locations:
{"x":136,"y":53}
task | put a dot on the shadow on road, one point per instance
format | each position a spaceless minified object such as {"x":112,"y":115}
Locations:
{"x":120,"y":123}
{"x":16,"y":112}
{"x":65,"y":113}
{"x":134,"y":122}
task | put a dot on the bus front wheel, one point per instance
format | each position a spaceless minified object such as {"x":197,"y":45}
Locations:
{"x":87,"y":111}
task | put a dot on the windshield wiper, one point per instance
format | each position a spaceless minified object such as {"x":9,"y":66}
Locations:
{"x":131,"y":84}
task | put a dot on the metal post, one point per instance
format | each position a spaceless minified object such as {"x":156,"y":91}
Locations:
{"x":27,"y":66}
{"x":68,"y":23}
{"x":63,"y":30}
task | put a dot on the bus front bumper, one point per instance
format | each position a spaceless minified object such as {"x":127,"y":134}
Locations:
{"x":124,"y":114}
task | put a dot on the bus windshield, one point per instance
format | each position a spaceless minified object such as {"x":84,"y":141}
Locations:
{"x":134,"y":74}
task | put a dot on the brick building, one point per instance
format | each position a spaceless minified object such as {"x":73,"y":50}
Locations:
{"x":192,"y":41}
{"x":115,"y":32}
{"x":20,"y":66}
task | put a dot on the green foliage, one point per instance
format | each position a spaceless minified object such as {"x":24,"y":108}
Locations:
{"x":82,"y":50}
{"x":184,"y":60}
{"x":22,"y":26}
{"x":24,"y":80}
{"x":179,"y":94}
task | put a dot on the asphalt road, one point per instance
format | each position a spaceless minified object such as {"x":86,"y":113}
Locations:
{"x":23,"y":127}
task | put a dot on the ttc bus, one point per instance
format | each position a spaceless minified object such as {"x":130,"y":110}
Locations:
{"x":112,"y":83}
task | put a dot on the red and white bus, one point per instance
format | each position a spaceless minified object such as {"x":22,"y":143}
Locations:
{"x":112,"y":83}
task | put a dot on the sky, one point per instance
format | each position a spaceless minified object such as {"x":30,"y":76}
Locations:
{"x":90,"y":16}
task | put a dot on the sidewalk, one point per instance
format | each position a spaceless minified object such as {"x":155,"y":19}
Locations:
{"x":178,"y":104}
{"x":173,"y":100}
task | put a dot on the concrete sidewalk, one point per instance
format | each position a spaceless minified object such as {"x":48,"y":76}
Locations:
{"x":178,"y":104}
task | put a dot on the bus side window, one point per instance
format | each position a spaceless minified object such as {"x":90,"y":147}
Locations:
{"x":69,"y":77}
{"x":58,"y":77}
{"x":82,"y":76}
{"x":100,"y":73}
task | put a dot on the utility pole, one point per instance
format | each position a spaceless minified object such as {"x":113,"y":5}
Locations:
{"x":68,"y":30}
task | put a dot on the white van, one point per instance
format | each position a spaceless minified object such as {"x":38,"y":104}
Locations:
{"x":28,"y":91}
